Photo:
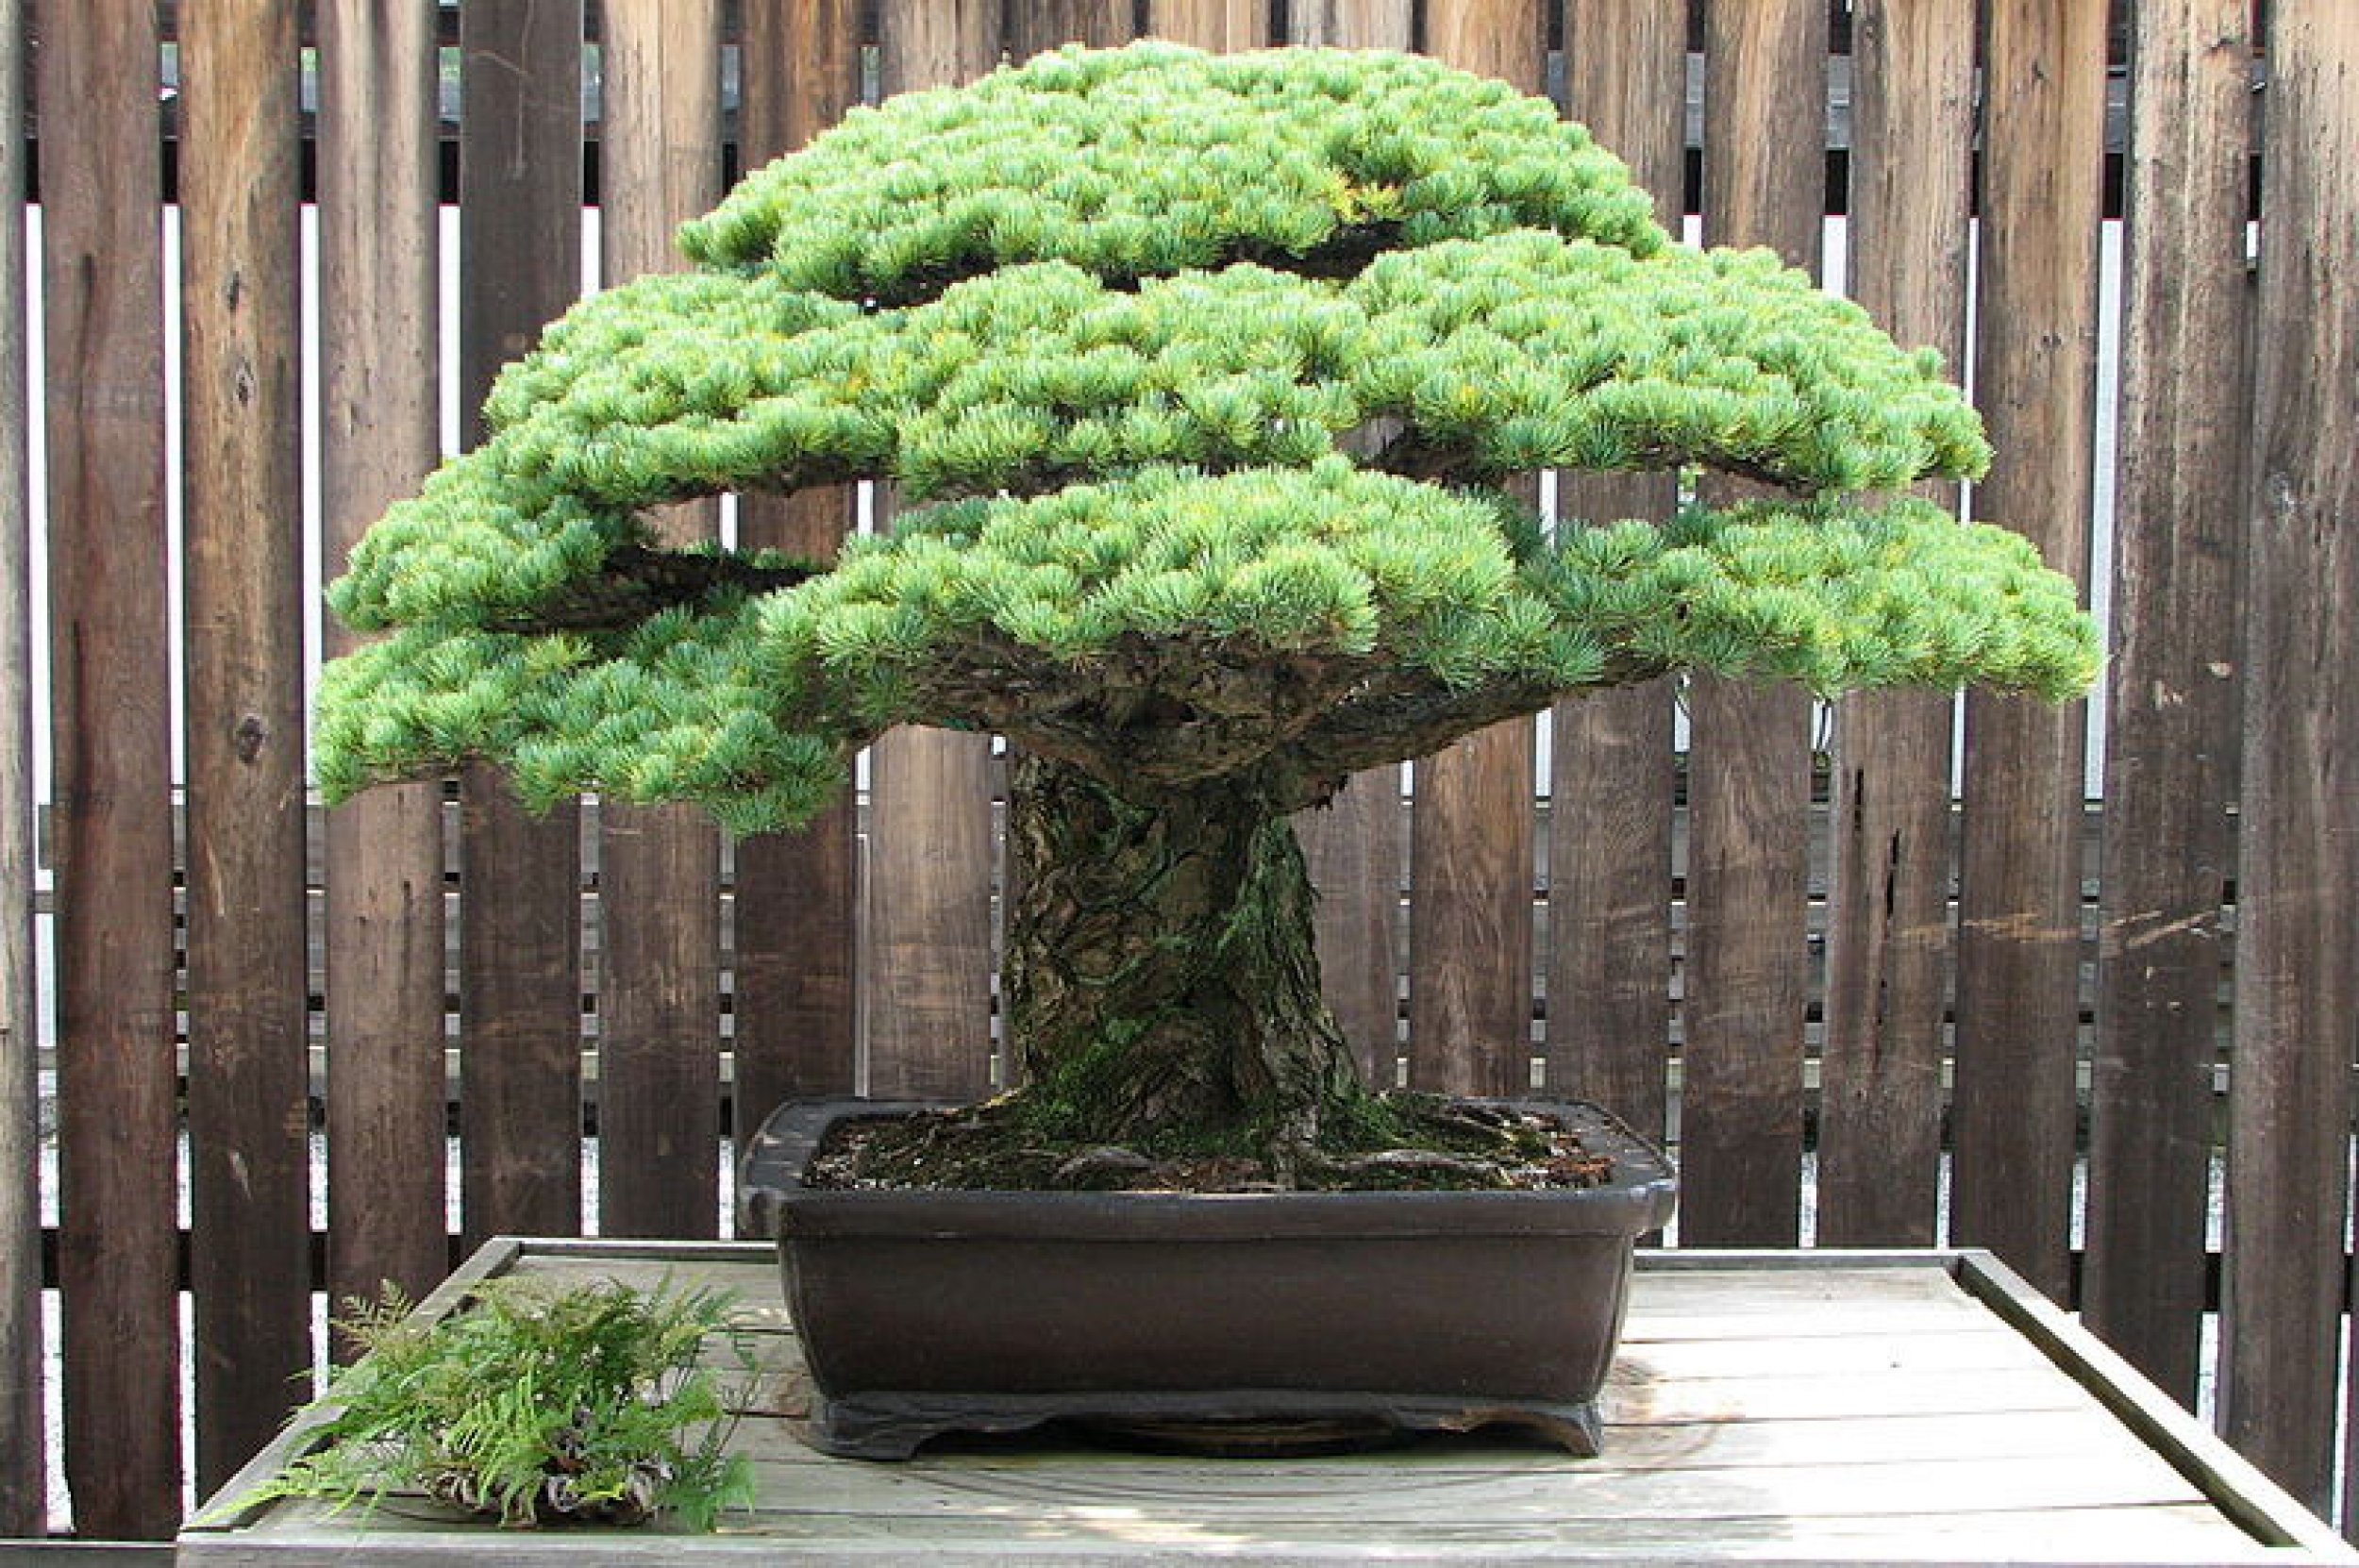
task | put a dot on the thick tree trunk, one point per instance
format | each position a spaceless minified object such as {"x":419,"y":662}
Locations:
{"x":1161,"y":987}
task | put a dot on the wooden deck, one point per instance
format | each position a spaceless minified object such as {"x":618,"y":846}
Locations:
{"x":1798,"y":1407}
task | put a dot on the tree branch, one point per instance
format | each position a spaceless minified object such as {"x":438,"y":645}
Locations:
{"x":636,"y":583}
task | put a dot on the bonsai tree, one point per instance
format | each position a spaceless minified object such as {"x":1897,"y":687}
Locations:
{"x":1204,"y":380}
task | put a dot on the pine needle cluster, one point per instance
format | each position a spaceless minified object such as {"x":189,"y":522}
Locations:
{"x":1210,"y":374}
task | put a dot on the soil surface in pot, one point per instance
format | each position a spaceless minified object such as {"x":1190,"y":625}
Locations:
{"x":1437,"y":1144}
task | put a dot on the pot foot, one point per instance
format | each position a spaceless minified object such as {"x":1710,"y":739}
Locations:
{"x":1255,"y":1423}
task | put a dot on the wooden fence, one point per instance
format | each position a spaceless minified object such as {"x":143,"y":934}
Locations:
{"x":1945,"y":1010}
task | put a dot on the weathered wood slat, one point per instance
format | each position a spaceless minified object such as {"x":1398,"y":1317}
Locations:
{"x":24,"y":1444}
{"x":1033,"y":25}
{"x":1352,"y":24}
{"x":2061,"y":1537}
{"x":1889,"y":926}
{"x":927,"y":972}
{"x":1389,"y":1501}
{"x":1355,"y":847}
{"x":1719,"y":1445}
{"x":660,"y":867}
{"x":1470,"y":833}
{"x":243,"y":511}
{"x":1507,"y":39}
{"x":103,"y":364}
{"x":382,"y":851}
{"x":2170,"y":750}
{"x":1611,"y":787}
{"x":2296,"y":972}
{"x":520,"y":985}
{"x":1218,"y":24}
{"x":796,"y":893}
{"x":1750,"y":757}
{"x":2019,"y":916}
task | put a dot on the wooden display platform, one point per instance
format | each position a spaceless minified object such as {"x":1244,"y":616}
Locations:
{"x":1805,"y":1407}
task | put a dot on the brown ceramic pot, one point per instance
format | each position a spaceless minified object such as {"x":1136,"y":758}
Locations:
{"x":926,"y":1312}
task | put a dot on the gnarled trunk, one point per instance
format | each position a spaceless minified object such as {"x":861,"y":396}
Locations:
{"x":1161,"y":987}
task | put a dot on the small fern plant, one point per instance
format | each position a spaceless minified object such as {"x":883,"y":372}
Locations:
{"x":533,"y":1405}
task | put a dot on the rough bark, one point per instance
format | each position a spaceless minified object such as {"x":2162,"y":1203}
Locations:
{"x":1163,"y":991}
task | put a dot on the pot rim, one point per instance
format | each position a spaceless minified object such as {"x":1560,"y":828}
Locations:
{"x":1637,"y":1197}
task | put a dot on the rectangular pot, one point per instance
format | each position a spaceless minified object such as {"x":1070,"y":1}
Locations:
{"x":924,"y":1312}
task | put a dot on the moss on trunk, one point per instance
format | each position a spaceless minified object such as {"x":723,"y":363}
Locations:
{"x":1161,"y":990}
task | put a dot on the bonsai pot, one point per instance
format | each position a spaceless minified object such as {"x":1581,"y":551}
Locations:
{"x":925,"y":1312}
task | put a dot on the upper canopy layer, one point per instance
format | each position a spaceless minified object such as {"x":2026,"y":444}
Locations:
{"x":1146,"y":160}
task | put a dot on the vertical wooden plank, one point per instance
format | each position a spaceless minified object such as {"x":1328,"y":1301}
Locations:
{"x":2171,"y":700}
{"x":928,"y":963}
{"x":520,"y":946}
{"x":660,"y":867}
{"x":103,"y":368}
{"x":1219,"y":24}
{"x":795,"y":897}
{"x":378,"y":254}
{"x":1354,"y":846}
{"x":2297,"y":987}
{"x":23,"y":1444}
{"x":2019,"y":869}
{"x":243,"y":511}
{"x":1507,"y":39}
{"x":1353,"y":850}
{"x":1470,"y":840}
{"x":944,"y":44}
{"x":1610,"y":766}
{"x":1888,"y":905}
{"x":1352,"y":24}
{"x":1033,"y":25}
{"x":1747,"y":981}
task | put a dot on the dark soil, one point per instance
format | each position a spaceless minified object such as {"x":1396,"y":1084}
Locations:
{"x":1447,"y":1144}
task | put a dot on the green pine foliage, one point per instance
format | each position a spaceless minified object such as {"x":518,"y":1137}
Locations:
{"x":1156,"y":160}
{"x":1213,"y":370}
{"x":531,"y":1404}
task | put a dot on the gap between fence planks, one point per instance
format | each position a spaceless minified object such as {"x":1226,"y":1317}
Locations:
{"x":23,"y":1444}
{"x":2013,"y":1109}
{"x":383,"y":850}
{"x":795,"y":892}
{"x":659,"y":866}
{"x":2171,"y":754}
{"x":928,"y":974}
{"x":1612,"y":770}
{"x":2297,"y":973}
{"x":1470,"y":850}
{"x":117,"y":1081}
{"x":243,"y":511}
{"x":520,"y":943}
{"x":1888,"y":908}
{"x":1748,"y":761}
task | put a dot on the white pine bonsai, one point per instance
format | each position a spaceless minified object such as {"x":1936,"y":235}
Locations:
{"x":1110,"y":318}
